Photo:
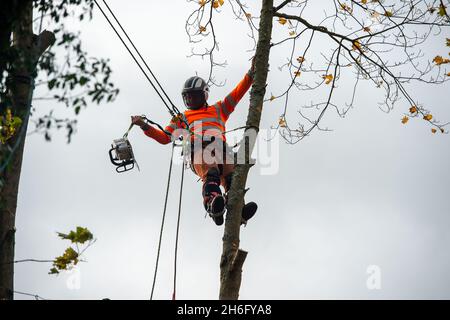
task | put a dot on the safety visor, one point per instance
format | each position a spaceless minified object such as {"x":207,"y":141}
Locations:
{"x":194,"y":99}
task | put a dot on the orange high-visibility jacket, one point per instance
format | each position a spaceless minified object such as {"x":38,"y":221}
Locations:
{"x":206,"y":120}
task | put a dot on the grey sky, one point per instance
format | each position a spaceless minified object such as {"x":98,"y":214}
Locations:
{"x":371,"y":192}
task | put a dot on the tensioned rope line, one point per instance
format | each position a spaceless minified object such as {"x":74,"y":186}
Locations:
{"x":143,"y":60}
{"x":172,"y":111}
{"x":162,"y":222}
{"x":178,"y":227}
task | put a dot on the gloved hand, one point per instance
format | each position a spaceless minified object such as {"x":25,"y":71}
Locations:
{"x":138,"y":121}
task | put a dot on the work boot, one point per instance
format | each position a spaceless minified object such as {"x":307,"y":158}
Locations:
{"x":248,"y":211}
{"x":213,"y":200}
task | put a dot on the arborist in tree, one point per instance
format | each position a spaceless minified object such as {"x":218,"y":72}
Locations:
{"x":212,"y":158}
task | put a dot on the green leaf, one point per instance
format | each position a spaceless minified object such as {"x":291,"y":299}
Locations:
{"x":442,"y":11}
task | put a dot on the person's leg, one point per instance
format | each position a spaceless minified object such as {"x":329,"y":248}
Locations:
{"x":213,"y":200}
{"x":248,"y":209}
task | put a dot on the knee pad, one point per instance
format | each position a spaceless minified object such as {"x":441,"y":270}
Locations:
{"x":213,"y":175}
{"x":212,"y":182}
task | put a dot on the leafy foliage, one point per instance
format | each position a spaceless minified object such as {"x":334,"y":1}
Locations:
{"x":8,"y":125}
{"x":81,"y":235}
{"x":71,"y":256}
{"x":69,"y":74}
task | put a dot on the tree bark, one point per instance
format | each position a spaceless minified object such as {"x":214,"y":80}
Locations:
{"x":232,"y":257}
{"x":29,"y":48}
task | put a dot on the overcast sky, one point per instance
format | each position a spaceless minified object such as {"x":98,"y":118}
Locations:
{"x":372,"y":192}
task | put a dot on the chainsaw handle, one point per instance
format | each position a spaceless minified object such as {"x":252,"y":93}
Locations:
{"x":111,"y":157}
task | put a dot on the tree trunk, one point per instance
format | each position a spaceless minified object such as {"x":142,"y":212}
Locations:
{"x":28,"y":48}
{"x":232,"y":257}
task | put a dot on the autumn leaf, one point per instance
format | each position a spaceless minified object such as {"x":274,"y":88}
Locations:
{"x":356,"y":45}
{"x":442,"y":12}
{"x":433,"y":130}
{"x":301,"y":59}
{"x":328,"y":78}
{"x":346,"y":8}
{"x":282,"y":20}
{"x":292,"y":33}
{"x":388,"y":13}
{"x":428,"y":117}
{"x":413,"y":109}
{"x":448,"y":42}
{"x":366,"y":29}
{"x":364,"y":1}
{"x":439,"y":60}
{"x":202,"y":2}
{"x":217,"y":3}
{"x":448,"y":74}
{"x":272,"y":98}
{"x":202,"y":29}
{"x":282,"y":122}
{"x":297,"y":73}
{"x":442,"y":130}
{"x":405,"y":119}
{"x":248,"y":15}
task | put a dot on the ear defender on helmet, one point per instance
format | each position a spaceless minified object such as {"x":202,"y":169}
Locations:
{"x":195,"y":93}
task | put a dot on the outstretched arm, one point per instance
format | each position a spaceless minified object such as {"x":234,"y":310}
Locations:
{"x":232,"y":99}
{"x":161,"y":136}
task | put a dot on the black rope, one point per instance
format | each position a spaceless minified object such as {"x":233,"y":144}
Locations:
{"x":171,"y":111}
{"x":177,"y":234}
{"x":162,"y":223}
{"x":143,"y":60}
{"x":157,"y":124}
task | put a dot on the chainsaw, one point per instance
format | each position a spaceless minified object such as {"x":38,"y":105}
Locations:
{"x":121,"y":153}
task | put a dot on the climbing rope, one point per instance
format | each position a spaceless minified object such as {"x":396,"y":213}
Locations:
{"x":173,"y":110}
{"x":163,"y":222}
{"x":178,"y":229}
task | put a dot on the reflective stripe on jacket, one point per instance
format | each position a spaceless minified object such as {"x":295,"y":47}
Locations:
{"x":206,"y":121}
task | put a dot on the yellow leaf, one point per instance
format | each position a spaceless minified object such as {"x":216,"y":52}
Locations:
{"x":364,"y":1}
{"x":282,"y":122}
{"x":202,"y":2}
{"x":297,"y":73}
{"x":448,"y":74}
{"x":442,"y":11}
{"x":292,"y":33}
{"x":356,"y":45}
{"x":388,"y":13}
{"x":202,"y":29}
{"x":282,"y":20}
{"x":328,"y":78}
{"x":248,"y":15}
{"x":428,"y":117}
{"x":272,"y":98}
{"x":221,"y":2}
{"x":439,"y":60}
{"x":216,"y":4}
{"x":345,"y":7}
{"x":300,"y":59}
{"x":433,"y":130}
{"x":413,"y":109}
{"x":405,"y":119}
